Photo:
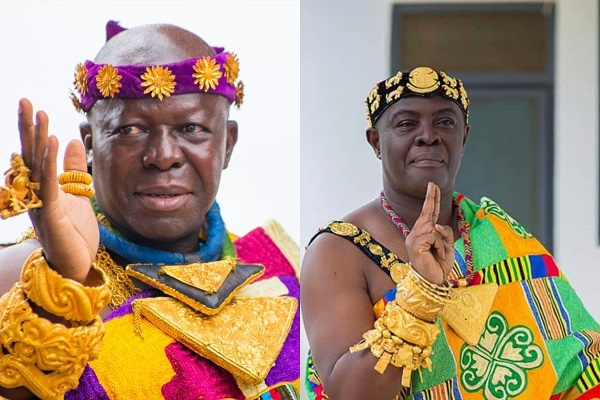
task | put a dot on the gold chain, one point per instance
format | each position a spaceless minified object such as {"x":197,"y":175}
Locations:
{"x":121,"y":285}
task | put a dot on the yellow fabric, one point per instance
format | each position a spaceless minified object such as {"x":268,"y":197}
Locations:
{"x":285,"y":243}
{"x":515,"y":245}
{"x":511,"y":302}
{"x":120,"y":373}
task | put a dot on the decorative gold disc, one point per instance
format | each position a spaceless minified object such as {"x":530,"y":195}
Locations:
{"x":423,"y":80}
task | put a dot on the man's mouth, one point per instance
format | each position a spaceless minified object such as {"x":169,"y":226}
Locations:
{"x":428,"y":161}
{"x":163,"y":198}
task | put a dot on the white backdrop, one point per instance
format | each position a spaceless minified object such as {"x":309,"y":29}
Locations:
{"x":42,"y":41}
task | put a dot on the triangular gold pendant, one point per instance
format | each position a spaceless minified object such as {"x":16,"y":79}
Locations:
{"x":468,"y":312}
{"x":204,"y":276}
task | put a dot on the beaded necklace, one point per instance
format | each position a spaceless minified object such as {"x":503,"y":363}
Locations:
{"x":463,"y":227}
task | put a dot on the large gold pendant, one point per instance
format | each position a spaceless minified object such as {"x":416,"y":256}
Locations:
{"x":467,"y":314}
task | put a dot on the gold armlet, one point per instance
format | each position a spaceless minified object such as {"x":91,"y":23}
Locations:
{"x":46,"y":358}
{"x":60,"y":296}
{"x":399,"y":339}
{"x":422,"y":298}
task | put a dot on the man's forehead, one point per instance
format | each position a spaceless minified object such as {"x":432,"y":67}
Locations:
{"x":419,"y":105}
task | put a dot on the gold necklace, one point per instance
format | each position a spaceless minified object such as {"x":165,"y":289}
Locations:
{"x":121,"y":285}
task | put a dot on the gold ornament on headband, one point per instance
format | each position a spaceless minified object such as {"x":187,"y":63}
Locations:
{"x":420,"y":81}
{"x":206,"y":73}
{"x":18,"y":195}
{"x":107,"y":81}
{"x":423,"y":80}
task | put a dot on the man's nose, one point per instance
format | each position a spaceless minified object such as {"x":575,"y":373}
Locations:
{"x":163,"y":151}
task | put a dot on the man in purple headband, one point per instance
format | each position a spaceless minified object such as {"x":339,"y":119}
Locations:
{"x":141,"y":292}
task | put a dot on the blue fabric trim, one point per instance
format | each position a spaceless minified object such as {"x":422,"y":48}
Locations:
{"x":209,"y":251}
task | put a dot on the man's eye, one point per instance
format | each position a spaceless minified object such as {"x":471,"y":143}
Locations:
{"x":193,"y":128}
{"x":406,"y":124}
{"x":447,"y":122}
{"x":129,"y":130}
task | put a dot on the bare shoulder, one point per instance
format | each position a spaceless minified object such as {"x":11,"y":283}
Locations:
{"x":11,"y":262}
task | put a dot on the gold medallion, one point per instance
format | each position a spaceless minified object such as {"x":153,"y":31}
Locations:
{"x":423,"y":80}
{"x":343,"y":228}
{"x":467,"y":314}
{"x":398,"y":271}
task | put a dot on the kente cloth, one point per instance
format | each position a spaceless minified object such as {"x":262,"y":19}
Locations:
{"x":538,"y":342}
{"x":156,"y":366}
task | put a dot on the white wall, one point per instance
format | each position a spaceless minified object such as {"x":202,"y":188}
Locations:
{"x":42,"y":41}
{"x":345,"y":50}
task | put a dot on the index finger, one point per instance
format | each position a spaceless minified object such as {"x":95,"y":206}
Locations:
{"x":26,"y":130}
{"x":431,"y":206}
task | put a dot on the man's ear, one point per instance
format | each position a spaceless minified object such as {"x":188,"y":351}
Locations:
{"x":372,"y":135}
{"x":85,"y":130}
{"x":465,"y":138}
{"x":232,"y":137}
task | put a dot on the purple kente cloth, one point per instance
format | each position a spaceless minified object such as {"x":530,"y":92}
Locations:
{"x":285,"y":369}
{"x":287,"y":366}
{"x":89,"y":387}
{"x":125,"y":308}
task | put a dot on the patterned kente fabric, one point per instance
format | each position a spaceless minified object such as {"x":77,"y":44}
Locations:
{"x":539,"y":342}
{"x":156,"y":366}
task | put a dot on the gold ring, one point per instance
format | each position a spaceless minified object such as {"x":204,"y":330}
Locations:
{"x":78,"y":189}
{"x":74,"y":176}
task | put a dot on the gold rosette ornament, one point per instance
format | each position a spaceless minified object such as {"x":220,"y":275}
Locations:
{"x":232,"y":67}
{"x":239,"y":94}
{"x":207,"y":73}
{"x":80,"y":81}
{"x":107,"y":81}
{"x":159,"y":81}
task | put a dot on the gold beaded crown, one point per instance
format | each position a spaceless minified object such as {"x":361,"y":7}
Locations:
{"x":420,"y":81}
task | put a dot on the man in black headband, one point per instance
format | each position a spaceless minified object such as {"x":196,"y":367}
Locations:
{"x":422,"y":292}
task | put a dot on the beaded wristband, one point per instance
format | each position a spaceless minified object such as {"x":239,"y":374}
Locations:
{"x":46,"y":358}
{"x":60,"y":296}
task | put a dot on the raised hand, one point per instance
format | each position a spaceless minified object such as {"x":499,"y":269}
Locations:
{"x":66,"y":225}
{"x":430,"y":246}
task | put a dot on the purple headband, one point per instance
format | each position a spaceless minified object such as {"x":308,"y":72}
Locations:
{"x":209,"y":74}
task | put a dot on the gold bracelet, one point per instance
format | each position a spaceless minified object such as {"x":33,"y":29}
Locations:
{"x":399,"y":339}
{"x":78,"y":189}
{"x":46,"y":358}
{"x":60,"y":296}
{"x":411,"y":298}
{"x":74,"y":176}
{"x":18,"y":195}
{"x":438,"y":293}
